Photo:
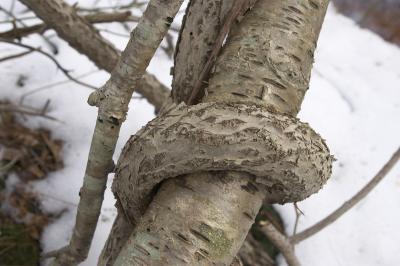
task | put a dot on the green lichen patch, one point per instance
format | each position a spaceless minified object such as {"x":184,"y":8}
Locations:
{"x":218,"y":244}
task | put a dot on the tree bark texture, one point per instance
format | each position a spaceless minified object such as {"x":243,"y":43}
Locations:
{"x":238,"y":146}
{"x":85,"y":38}
{"x":269,"y":61}
{"x":200,"y":27}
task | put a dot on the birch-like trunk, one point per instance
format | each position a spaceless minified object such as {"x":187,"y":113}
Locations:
{"x":204,"y":217}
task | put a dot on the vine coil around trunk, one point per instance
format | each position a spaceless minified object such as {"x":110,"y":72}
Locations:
{"x":287,"y":158}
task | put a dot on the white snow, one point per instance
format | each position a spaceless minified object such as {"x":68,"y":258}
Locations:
{"x":353,"y":102}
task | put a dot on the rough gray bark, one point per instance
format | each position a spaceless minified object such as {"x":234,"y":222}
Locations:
{"x":121,"y":230}
{"x":265,"y":65}
{"x":204,"y":26}
{"x":84,"y":37}
{"x":112,"y":100}
{"x":269,"y":62}
{"x":200,"y":27}
{"x":238,"y":9}
{"x":287,"y":158}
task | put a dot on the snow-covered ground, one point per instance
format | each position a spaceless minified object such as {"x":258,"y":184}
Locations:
{"x":353,"y":102}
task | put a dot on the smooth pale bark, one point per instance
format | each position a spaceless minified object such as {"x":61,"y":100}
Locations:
{"x":266,"y":62}
{"x":112,"y":100}
{"x":210,"y":224}
{"x":85,"y":38}
{"x":269,"y":61}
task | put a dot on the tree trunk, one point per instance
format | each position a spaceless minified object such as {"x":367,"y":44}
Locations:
{"x":203,"y":217}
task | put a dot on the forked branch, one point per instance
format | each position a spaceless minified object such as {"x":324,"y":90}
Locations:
{"x":82,"y":36}
{"x":49,"y":56}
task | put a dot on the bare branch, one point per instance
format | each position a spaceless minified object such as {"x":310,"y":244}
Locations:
{"x":14,"y":56}
{"x":281,"y":242}
{"x":82,"y":36}
{"x":100,"y":17}
{"x":132,"y":4}
{"x":7,"y":107}
{"x":51,"y":85}
{"x":348,"y":204}
{"x":298,"y":213}
{"x":112,"y":101}
{"x":63,"y":70}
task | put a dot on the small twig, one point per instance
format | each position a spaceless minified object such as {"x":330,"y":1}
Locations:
{"x":132,"y":4}
{"x":18,"y":33}
{"x":20,"y":19}
{"x":169,"y":48}
{"x":12,"y":16}
{"x":348,"y":204}
{"x":54,"y":253}
{"x":14,"y":56}
{"x":49,"y":86}
{"x":44,"y":195}
{"x":124,"y":35}
{"x":281,"y":242}
{"x":298,"y":214}
{"x":45,"y":107}
{"x":53,"y":47}
{"x":63,"y":70}
{"x":25,"y":110}
{"x":100,"y":17}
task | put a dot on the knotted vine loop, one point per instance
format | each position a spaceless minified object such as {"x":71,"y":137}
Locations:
{"x":288,"y":158}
